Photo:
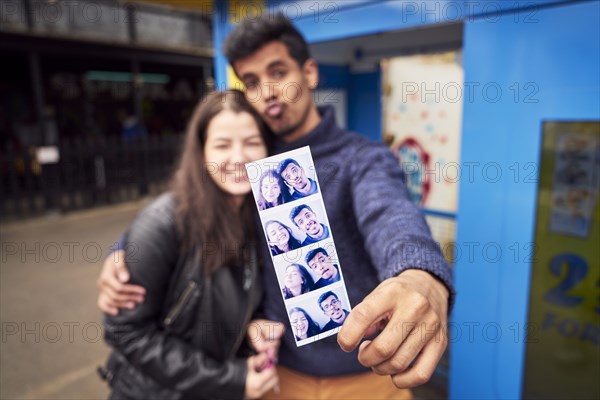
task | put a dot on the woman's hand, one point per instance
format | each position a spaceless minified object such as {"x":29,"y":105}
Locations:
{"x":264,"y":334}
{"x":261,"y":378}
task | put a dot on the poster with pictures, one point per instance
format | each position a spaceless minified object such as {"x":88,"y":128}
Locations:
{"x":295,"y":224}
{"x":422,"y":119}
{"x":576,"y":164}
{"x":562,"y":361}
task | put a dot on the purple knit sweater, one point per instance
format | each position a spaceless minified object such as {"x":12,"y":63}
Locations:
{"x":378,"y":233}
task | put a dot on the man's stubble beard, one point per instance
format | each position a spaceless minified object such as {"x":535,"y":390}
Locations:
{"x":286,"y":131}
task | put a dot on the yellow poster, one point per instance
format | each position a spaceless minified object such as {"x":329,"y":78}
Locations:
{"x":562,"y":358}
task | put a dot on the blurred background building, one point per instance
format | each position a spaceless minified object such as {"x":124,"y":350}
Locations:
{"x":95,"y":96}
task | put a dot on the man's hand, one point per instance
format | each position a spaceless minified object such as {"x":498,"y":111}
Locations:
{"x":412,"y":309}
{"x":115,"y":293}
{"x":264,"y":335}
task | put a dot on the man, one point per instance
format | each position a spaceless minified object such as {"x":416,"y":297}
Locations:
{"x":332,"y":308}
{"x":395,"y":273}
{"x":306,"y":220}
{"x":319,"y":261}
{"x":295,"y":176}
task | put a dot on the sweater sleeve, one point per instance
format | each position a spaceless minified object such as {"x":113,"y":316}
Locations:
{"x":395,"y":233}
{"x":138,"y":335}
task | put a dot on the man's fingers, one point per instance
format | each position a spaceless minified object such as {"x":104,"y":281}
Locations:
{"x":385,"y":346}
{"x":112,"y":311}
{"x":119,"y":268}
{"x":373,"y":329}
{"x":114,"y":274}
{"x":423,"y":368}
{"x":400,"y":343}
{"x":126,"y":288}
{"x":114,"y":293}
{"x":375,"y":307}
{"x":105,"y":303}
{"x":120,"y":298}
{"x":122,"y":288}
{"x":407,"y":352}
{"x":105,"y":306}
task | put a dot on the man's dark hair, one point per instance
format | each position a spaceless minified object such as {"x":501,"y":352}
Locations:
{"x":296,"y":210}
{"x":313,"y":253}
{"x":326,"y":295}
{"x":283,"y":165}
{"x":252,"y":34}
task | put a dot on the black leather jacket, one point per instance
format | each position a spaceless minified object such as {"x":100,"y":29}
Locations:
{"x":184,"y":340}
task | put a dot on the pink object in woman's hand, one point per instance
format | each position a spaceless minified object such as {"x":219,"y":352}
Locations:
{"x":271,"y":358}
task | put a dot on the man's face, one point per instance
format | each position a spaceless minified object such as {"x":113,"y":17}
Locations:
{"x":295,"y":176}
{"x":332,"y":308}
{"x":280,"y":89}
{"x":323,"y":265}
{"x":307,"y":222}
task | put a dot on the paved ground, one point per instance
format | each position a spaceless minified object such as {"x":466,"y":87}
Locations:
{"x":51,"y":335}
{"x":51,"y":339}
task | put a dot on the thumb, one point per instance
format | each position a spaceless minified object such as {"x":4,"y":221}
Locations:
{"x":120,"y":267}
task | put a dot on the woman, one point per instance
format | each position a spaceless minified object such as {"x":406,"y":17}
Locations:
{"x":280,"y":238}
{"x":297,"y":281}
{"x":193,"y":280}
{"x":302,"y":324}
{"x":272,"y":190}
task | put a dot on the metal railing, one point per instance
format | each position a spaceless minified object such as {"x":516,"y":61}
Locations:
{"x":87,"y":174}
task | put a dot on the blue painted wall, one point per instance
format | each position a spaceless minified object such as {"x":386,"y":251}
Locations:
{"x":364,"y":104}
{"x":333,"y":76}
{"x":221,"y":28}
{"x":363,"y":95}
{"x":330,"y":20}
{"x":554,"y":62}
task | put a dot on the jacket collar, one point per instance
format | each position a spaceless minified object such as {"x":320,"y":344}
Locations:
{"x":323,"y":133}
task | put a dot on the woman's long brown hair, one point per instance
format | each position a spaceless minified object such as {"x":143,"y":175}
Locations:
{"x":205,"y":216}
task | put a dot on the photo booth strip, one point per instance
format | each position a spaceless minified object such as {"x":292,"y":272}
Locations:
{"x":294,"y":220}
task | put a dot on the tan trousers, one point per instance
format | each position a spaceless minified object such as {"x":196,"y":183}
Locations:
{"x":294,"y":385}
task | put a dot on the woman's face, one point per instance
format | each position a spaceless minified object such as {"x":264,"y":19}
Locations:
{"x":299,"y":324}
{"x":270,"y":188}
{"x":278,"y":235}
{"x":232,"y":139}
{"x":293,"y":277}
